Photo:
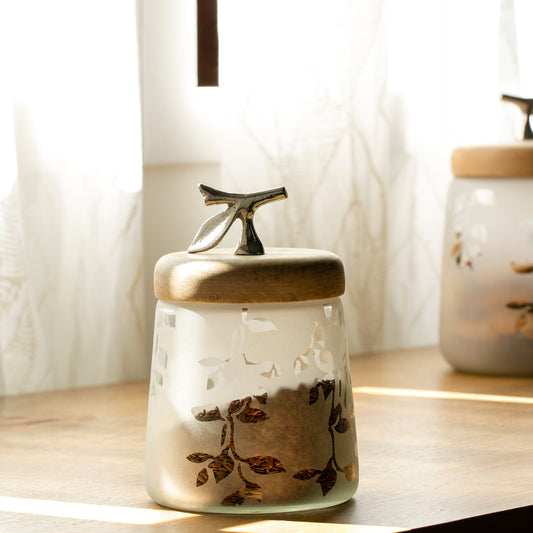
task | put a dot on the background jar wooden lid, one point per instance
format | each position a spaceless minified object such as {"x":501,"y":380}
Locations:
{"x":219,"y":276}
{"x":499,"y":161}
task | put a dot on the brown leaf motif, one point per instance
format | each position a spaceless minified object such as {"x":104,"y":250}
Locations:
{"x":222,"y":466}
{"x":234,"y":406}
{"x":522,"y":268}
{"x":521,"y":322}
{"x":456,"y":248}
{"x":202,"y":478}
{"x":223,"y":434}
{"x":199,"y":457}
{"x":342,"y":426}
{"x":517,"y":305}
{"x":208,"y":416}
{"x":306,"y":474}
{"x":229,"y":460}
{"x":313,"y":395}
{"x":350,"y":472}
{"x":233,"y":499}
{"x":327,"y":479}
{"x":251,"y":415}
{"x":253,"y":490}
{"x":334,"y":414}
{"x":262,"y":398}
{"x":328,"y":386}
{"x":526,"y":309}
{"x":265,"y":464}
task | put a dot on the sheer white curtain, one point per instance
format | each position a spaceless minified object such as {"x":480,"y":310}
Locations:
{"x":70,"y":195}
{"x":355,"y":106}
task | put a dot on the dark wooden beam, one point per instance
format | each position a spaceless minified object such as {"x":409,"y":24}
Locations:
{"x":207,"y":31}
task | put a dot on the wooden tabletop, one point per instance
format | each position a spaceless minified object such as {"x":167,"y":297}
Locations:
{"x":434,"y":446}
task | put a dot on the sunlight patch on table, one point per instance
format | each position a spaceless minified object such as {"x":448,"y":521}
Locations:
{"x":86,"y":511}
{"x":441,"y":395}
{"x":288,"y":526}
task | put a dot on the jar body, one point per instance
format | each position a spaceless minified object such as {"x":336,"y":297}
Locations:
{"x":487,"y":280}
{"x":251,"y":408}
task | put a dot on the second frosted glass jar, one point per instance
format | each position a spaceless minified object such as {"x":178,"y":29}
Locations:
{"x":251,"y":406}
{"x":487,"y":285}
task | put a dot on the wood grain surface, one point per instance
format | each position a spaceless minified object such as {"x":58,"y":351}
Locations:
{"x":499,"y":161}
{"x":219,"y":276}
{"x":74,"y":460}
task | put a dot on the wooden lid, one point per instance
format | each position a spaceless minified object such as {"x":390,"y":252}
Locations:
{"x":219,"y":276}
{"x":500,"y":161}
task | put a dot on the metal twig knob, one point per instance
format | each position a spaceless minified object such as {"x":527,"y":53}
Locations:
{"x":526,"y":105}
{"x":240,"y":206}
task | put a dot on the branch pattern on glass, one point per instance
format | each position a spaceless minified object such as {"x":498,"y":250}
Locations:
{"x":457,"y":252}
{"x":337,"y":424}
{"x":526,"y":314}
{"x":229,"y":460}
{"x":526,"y":308}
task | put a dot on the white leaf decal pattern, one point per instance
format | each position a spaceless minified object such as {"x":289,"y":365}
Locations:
{"x":301,"y":363}
{"x":212,"y":361}
{"x":260,"y":325}
{"x":319,"y":337}
{"x":257,"y":325}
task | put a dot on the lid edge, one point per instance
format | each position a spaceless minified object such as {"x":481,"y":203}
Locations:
{"x":278,"y":277}
{"x":498,"y":161}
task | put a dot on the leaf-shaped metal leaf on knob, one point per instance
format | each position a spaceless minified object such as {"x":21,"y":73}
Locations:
{"x":240,"y":206}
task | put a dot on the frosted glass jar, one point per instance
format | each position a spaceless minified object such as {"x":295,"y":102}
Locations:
{"x":487,"y":280}
{"x":251,"y":407}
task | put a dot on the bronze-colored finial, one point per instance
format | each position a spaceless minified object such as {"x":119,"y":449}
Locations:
{"x":242,"y":206}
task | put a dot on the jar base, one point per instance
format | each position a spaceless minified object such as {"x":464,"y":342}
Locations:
{"x":255,"y":509}
{"x":511,"y":358}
